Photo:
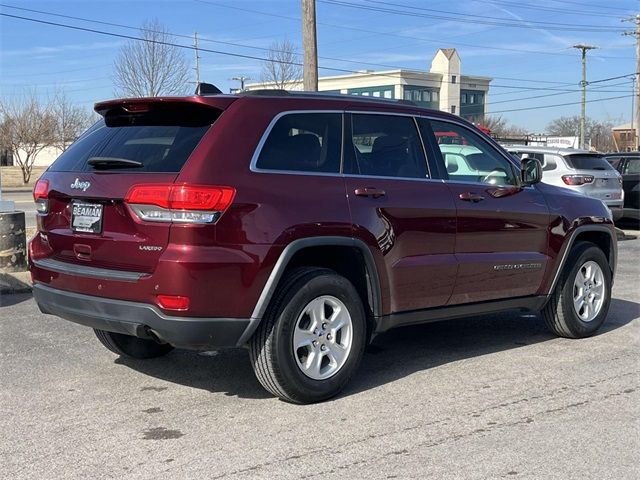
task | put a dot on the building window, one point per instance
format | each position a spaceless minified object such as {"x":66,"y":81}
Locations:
{"x":463,"y":98}
{"x":453,"y":79}
{"x":453,"y":109}
{"x":434,"y":96}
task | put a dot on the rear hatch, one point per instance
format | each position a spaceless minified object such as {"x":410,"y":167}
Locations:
{"x":136,"y":143}
{"x":605,"y":183}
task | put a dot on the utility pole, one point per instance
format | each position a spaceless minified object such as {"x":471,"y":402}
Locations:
{"x":241,"y":79}
{"x":583,"y":113}
{"x":310,"y":45}
{"x":633,"y":109}
{"x":197,"y":52}
{"x":636,"y":19}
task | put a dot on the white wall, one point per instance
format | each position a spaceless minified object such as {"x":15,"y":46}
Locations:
{"x":45,"y":158}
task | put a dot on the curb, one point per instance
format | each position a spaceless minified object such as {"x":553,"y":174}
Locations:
{"x":15,"y":282}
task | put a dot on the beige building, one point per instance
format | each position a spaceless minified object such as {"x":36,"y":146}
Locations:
{"x":624,"y":138}
{"x":443,"y":87}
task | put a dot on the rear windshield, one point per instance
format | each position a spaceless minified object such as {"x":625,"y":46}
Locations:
{"x":587,"y":162}
{"x":158,"y":141}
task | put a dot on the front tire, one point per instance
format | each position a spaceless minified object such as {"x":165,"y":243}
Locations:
{"x":132,"y":347}
{"x":312,"y":337}
{"x":580,"y":302}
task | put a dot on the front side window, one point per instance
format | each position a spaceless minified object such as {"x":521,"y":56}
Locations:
{"x":470,"y":158}
{"x":387,"y":146}
{"x":308,"y":142}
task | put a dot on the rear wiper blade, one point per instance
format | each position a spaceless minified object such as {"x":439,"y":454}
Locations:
{"x":113,"y":162}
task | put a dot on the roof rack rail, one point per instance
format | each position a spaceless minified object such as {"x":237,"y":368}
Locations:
{"x":264,"y":92}
{"x":203,"y":88}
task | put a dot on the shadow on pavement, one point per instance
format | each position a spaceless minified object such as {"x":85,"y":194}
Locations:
{"x":10,"y":299}
{"x":393,"y":355}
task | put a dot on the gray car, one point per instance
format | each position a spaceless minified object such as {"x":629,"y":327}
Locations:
{"x":580,"y":170}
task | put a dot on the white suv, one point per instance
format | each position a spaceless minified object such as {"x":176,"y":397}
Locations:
{"x":580,"y":170}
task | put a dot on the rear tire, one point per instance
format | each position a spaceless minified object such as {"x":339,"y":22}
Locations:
{"x":312,"y":337}
{"x":579,"y":304}
{"x":132,"y":347}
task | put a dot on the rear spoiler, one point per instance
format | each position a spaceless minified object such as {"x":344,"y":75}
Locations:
{"x":142,"y":105}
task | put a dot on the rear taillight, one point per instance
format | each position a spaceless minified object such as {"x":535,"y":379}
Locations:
{"x":40,"y":196}
{"x":179,"y":203}
{"x":173,"y":302}
{"x":577,"y":179}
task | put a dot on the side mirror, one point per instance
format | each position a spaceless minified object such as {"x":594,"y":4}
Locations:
{"x":531,"y":172}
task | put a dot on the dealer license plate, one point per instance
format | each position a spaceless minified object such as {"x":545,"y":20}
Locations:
{"x":86,"y":217}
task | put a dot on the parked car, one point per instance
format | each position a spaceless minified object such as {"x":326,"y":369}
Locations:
{"x":581,"y":170}
{"x":301,"y":226}
{"x":628,"y":164}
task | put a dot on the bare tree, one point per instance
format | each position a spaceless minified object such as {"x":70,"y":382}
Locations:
{"x":26,"y":128}
{"x":598,"y":132}
{"x":499,"y":127}
{"x":152,"y":67}
{"x":282,"y":65}
{"x":71,"y":120}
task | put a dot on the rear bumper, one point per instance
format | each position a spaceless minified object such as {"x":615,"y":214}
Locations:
{"x":133,"y":318}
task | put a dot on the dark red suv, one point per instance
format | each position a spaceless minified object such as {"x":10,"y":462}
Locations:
{"x":301,"y":225}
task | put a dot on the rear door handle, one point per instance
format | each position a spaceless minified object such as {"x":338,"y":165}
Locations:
{"x":370,"y":192}
{"x":471,"y":197}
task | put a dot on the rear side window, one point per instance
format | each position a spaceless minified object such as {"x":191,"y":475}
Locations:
{"x":632,"y":166}
{"x":387,"y":146}
{"x":587,"y":162}
{"x":154,"y":141}
{"x":306,"y":142}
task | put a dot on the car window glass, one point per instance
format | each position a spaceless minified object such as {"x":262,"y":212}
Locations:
{"x":548,"y":163}
{"x":587,"y":161}
{"x":155,"y":141}
{"x":309,"y":142}
{"x":632,"y":166}
{"x":388,"y":146}
{"x":470,"y":158}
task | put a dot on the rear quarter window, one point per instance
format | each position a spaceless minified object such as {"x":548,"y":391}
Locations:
{"x":304,"y":142}
{"x":160,"y":141}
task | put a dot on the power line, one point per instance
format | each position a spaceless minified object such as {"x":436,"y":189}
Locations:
{"x":475,"y":18}
{"x":190,"y":38}
{"x":239,"y":55}
{"x":582,"y":4}
{"x":558,"y":105}
{"x":573,"y":12}
{"x":244,"y":56}
{"x":396,"y":35}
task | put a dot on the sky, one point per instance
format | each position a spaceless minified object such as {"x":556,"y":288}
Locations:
{"x":524,"y":45}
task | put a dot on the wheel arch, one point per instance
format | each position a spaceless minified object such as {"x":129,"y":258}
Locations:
{"x":600,"y":235}
{"x":329,"y":252}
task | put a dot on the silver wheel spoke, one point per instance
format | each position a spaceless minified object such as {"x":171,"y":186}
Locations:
{"x":337,"y":353}
{"x":322,"y":337}
{"x":589,"y":291}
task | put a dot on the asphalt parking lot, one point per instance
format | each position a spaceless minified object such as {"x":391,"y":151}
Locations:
{"x":475,"y":398}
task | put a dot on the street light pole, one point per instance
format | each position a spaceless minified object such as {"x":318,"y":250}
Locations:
{"x":583,"y":113}
{"x":241,"y":79}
